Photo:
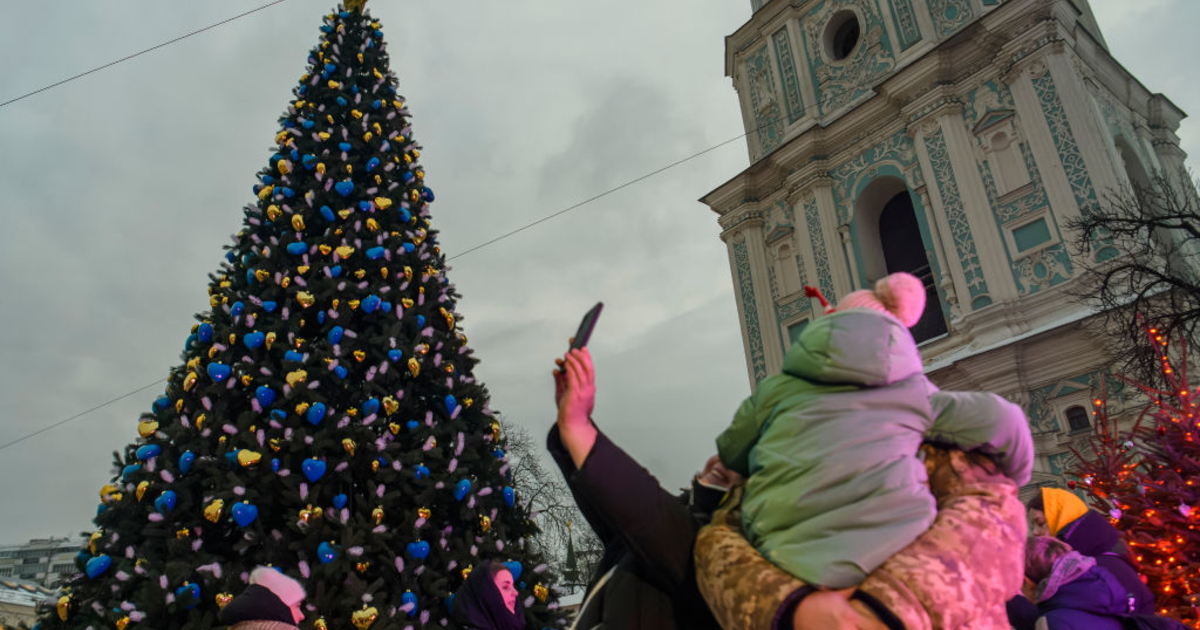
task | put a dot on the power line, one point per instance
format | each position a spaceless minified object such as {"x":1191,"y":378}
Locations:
{"x":138,"y":54}
{"x":80,"y":414}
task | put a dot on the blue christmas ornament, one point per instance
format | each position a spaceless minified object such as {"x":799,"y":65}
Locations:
{"x":187,"y":343}
{"x":326,"y":553}
{"x":307,"y":124}
{"x":244,"y":513}
{"x":189,"y":594}
{"x":395,"y":355}
{"x":236,"y":308}
{"x":231,"y":457}
{"x":376,"y":104}
{"x":427,"y":195}
{"x":498,"y":453}
{"x":408,"y":177}
{"x":315,"y":414}
{"x":408,"y":598}
{"x":335,"y":334}
{"x":330,"y":67}
{"x":185,"y":462}
{"x":325,"y":28}
{"x":149,"y":451}
{"x":130,"y":471}
{"x":371,"y":407}
{"x":412,"y":424}
{"x":264,"y":395}
{"x":274,"y":464}
{"x":293,"y":356}
{"x":372,"y":164}
{"x":204,"y":332}
{"x":313,"y":469}
{"x":270,"y":306}
{"x":354,"y":89}
{"x":341,"y":371}
{"x":100,"y":509}
{"x":344,"y":188}
{"x":420,"y":321}
{"x":422,"y":470}
{"x":298,"y":248}
{"x":321,"y":317}
{"x":165,"y":501}
{"x":295,"y":154}
{"x":287,"y":192}
{"x":278,"y":414}
{"x":253,"y":340}
{"x":461,"y":489}
{"x":342,"y":101}
{"x":375,"y":253}
{"x":339,"y":501}
{"x":418,"y":550}
{"x":229,"y":255}
{"x":344,"y":146}
{"x":409,"y":248}
{"x":514,"y":568}
{"x":327,"y":214}
{"x":268,"y":180}
{"x":365,"y":206}
{"x":250,"y":279}
{"x":96,"y":567}
{"x":219,"y":371}
{"x":405,"y":215}
{"x":335,"y":271}
{"x":309,"y":161}
{"x":451,"y":403}
{"x":385,"y":306}
{"x":370,"y":303}
{"x":510,"y":496}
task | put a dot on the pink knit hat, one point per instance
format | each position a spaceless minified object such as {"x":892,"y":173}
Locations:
{"x":900,"y":294}
{"x":288,"y":590}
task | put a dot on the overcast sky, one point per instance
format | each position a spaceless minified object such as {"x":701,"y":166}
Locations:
{"x":118,"y":191}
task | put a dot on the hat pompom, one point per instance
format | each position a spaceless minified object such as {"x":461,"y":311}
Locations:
{"x":285,"y":588}
{"x":903,"y":295}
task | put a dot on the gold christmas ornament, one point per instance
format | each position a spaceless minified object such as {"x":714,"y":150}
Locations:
{"x":275,"y":444}
{"x":270,"y":339}
{"x":540,"y":592}
{"x":285,"y":282}
{"x":223,"y":599}
{"x":424,"y":513}
{"x":261,"y":275}
{"x":297,"y":223}
{"x":365,"y":618}
{"x":247,"y":379}
{"x":92,"y":540}
{"x":390,"y":406}
{"x":344,"y":251}
{"x":122,"y":623}
{"x":360,"y":273}
{"x":485,"y":523}
{"x":377,"y":514}
{"x":212,"y":512}
{"x":362,"y":567}
{"x":146,"y":428}
{"x":467,"y":570}
{"x":345,"y":214}
{"x":298,"y":376}
{"x":301,"y":408}
{"x":407,"y":276}
{"x":305,"y":299}
{"x":248,"y":458}
{"x":394,"y":428}
{"x":359,"y":355}
{"x":189,"y":381}
{"x":349,"y":445}
{"x":375,"y":465}
{"x":383,"y":203}
{"x":183,"y":533}
{"x":141,"y":489}
{"x":64,"y":607}
{"x":372,"y":225}
{"x":319,"y":624}
{"x":448,"y":316}
{"x":356,"y":6}
{"x":467,"y":402}
{"x":302,"y":269}
{"x":110,"y":494}
{"x":353,"y":304}
{"x":414,"y":367}
{"x":200,"y":422}
{"x":324,"y":249}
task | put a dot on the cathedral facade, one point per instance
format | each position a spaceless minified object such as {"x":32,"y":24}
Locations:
{"x":954,"y":139}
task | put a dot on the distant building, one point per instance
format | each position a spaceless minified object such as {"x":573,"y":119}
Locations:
{"x":19,"y":601}
{"x":45,"y":561}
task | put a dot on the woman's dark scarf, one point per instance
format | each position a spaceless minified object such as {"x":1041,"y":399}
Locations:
{"x":478,"y":605}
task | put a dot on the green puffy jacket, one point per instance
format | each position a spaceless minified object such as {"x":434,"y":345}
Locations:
{"x":831,"y":447}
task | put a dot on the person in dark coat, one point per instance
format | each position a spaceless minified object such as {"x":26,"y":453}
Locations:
{"x":1063,"y":515}
{"x":270,"y":602}
{"x":646,"y":578}
{"x":1073,"y":592}
{"x":488,"y":600}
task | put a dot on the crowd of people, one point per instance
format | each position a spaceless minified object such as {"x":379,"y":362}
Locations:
{"x":848,"y":493}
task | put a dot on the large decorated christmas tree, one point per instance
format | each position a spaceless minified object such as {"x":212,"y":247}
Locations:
{"x":325,"y":420}
{"x":1147,"y":479}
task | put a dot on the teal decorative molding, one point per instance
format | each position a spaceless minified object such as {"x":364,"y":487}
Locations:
{"x":787,"y":72}
{"x":950,"y":15}
{"x":1061,"y":463}
{"x":848,"y":178}
{"x":1040,"y":411}
{"x":741,"y":261}
{"x":798,"y":306}
{"x":956,"y":216}
{"x":1071,"y":157}
{"x":906,"y":23}
{"x":768,"y":118}
{"x":992,"y":3}
{"x":816,"y":237}
{"x":837,"y":84}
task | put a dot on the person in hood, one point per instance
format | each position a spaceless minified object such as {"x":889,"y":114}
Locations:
{"x":830,"y":446}
{"x":271,"y":602}
{"x":1072,"y":592}
{"x":1063,"y":515}
{"x":488,"y":600}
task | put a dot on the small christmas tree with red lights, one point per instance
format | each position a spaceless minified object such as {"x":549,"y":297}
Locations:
{"x":1148,"y":480}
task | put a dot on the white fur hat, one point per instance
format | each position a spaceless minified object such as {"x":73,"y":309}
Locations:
{"x":288,"y":590}
{"x":900,"y":294}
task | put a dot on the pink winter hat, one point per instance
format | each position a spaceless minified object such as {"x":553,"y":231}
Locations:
{"x":900,"y":294}
{"x":288,"y":590}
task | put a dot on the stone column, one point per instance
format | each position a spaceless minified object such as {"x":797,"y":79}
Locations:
{"x":743,"y":237}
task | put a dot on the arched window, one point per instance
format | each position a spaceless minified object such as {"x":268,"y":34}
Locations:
{"x":904,"y":250}
{"x":1077,"y":419}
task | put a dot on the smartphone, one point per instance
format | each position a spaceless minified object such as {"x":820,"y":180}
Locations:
{"x":586,"y":326}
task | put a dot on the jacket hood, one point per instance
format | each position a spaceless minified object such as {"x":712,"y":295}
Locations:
{"x":1077,"y":583}
{"x":856,"y":346}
